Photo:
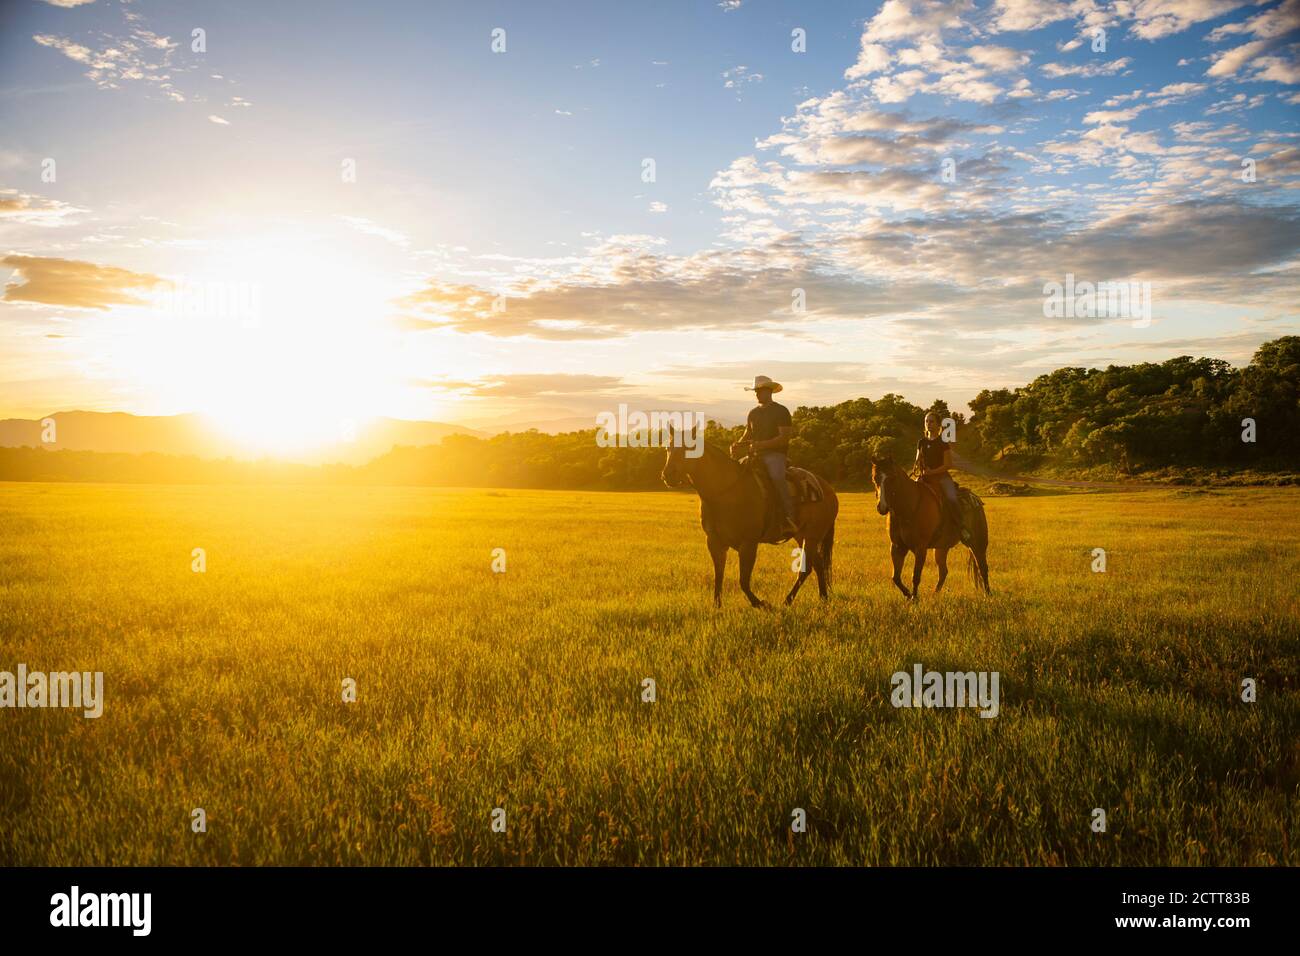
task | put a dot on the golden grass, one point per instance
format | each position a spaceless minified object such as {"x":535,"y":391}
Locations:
{"x":522,"y":690}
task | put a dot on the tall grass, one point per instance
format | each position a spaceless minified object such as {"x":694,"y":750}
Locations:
{"x":522,"y":690}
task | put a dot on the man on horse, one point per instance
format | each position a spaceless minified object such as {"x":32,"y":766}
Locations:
{"x":768,"y":431}
{"x":933,"y":459}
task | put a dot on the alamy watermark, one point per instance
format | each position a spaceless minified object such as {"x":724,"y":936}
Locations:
{"x":221,"y":300}
{"x":1098,"y":300}
{"x":922,"y":688}
{"x":75,"y":908}
{"x":78,"y":689}
{"x":635,"y":429}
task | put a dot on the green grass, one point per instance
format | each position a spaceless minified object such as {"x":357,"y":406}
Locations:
{"x":522,"y":690}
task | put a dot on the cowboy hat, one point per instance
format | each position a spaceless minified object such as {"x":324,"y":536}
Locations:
{"x":762,"y":381}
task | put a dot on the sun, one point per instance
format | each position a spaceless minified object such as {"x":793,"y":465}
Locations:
{"x":283,"y":349}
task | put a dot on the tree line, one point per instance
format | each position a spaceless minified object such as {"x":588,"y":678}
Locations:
{"x":1183,"y":413}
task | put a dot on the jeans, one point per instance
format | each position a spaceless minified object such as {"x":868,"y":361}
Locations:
{"x":949,"y":489}
{"x":774,"y":462}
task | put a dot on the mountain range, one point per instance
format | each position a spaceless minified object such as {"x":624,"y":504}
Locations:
{"x":192,"y":435}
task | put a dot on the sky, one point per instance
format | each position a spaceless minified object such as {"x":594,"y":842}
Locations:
{"x":308,"y":212}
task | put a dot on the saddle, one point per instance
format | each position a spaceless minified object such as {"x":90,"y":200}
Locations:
{"x":804,"y":489}
{"x":967,"y":503}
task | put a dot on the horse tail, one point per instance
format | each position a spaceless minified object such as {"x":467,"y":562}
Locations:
{"x":977,"y":561}
{"x":973,"y":569}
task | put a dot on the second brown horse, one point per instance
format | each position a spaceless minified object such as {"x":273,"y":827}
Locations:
{"x":733,"y":512}
{"x":913,"y":518}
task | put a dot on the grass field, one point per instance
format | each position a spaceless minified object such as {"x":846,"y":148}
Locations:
{"x":522,"y":690}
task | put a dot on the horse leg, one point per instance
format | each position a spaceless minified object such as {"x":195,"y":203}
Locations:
{"x":803,"y":574}
{"x":819,"y":565}
{"x":918,"y":564}
{"x":898,"y":553}
{"x":748,"y":554}
{"x":718,"y":551}
{"x":941,"y":559}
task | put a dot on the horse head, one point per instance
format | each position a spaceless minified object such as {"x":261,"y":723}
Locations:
{"x":883,"y":472}
{"x":677,"y":468}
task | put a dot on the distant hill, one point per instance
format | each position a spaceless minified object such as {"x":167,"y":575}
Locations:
{"x":191,"y":435}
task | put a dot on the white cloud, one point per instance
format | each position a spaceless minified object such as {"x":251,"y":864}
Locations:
{"x":872,"y":58}
{"x":1154,"y":19}
{"x":1000,"y":58}
{"x":911,"y":19}
{"x":1268,"y":29}
{"x":1098,"y":68}
{"x":1015,"y":15}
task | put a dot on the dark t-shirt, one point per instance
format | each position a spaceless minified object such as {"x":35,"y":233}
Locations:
{"x":931,"y":450}
{"x":764,"y":420}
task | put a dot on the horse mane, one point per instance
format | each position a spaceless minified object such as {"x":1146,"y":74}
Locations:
{"x":888,"y":465}
{"x":712,"y":449}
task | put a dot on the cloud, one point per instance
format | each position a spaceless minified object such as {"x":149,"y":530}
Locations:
{"x":1001,"y":58}
{"x":218,"y":120}
{"x":621,"y":290}
{"x":738,"y":77}
{"x":904,"y":52}
{"x":139,"y":56}
{"x":543,"y":385}
{"x":1018,"y":15}
{"x":872,"y":58}
{"x":1268,"y":29}
{"x":1154,"y":19}
{"x":1279,"y":69}
{"x":371,"y":228}
{"x":16,"y":207}
{"x":69,"y":283}
{"x":1100,"y":68}
{"x":915,"y":19}
{"x":1166,"y":244}
{"x":976,"y":273}
{"x":132,"y":55}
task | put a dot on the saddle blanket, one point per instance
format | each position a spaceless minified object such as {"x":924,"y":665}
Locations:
{"x":804,"y":486}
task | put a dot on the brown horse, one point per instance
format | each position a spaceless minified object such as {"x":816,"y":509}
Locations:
{"x":913,"y":516}
{"x":733,"y":513}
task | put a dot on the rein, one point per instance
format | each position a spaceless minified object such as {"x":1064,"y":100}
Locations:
{"x":718,"y":494}
{"x":920,"y":496}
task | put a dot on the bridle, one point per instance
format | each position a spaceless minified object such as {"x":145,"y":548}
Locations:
{"x":744,"y":473}
{"x":718,"y":494}
{"x":916,"y":508}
